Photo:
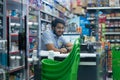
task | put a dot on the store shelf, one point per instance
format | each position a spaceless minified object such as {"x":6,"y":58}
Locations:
{"x":46,"y":12}
{"x":112,"y":33}
{"x":32,"y":28}
{"x":17,"y":2}
{"x":33,"y":7}
{"x":90,"y":18}
{"x":109,"y":71}
{"x":100,"y":8}
{"x":33,"y":35}
{"x":33,"y":13}
{"x":113,"y":18}
{"x":14,"y":52}
{"x":14,"y":34}
{"x":45,"y":20}
{"x":63,"y":6}
{"x":51,"y":14}
{"x":16,"y":69}
{"x":3,"y":40}
{"x":14,"y":24}
{"x":32,"y":23}
{"x":68,"y":17}
{"x":14,"y":19}
{"x":114,"y":41}
{"x":47,"y":3}
{"x":112,"y":27}
{"x":31,"y":77}
{"x":51,"y":5}
{"x":32,"y":20}
{"x":30,"y":50}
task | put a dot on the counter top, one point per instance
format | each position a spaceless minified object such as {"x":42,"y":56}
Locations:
{"x":57,"y":54}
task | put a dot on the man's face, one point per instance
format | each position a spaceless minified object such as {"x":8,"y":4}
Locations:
{"x":59,"y":29}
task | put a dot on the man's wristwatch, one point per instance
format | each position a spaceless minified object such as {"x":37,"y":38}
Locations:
{"x":67,"y":49}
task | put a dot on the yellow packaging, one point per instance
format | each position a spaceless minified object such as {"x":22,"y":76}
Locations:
{"x":78,"y":10}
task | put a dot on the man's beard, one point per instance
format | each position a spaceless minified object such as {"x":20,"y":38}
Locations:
{"x":56,"y":33}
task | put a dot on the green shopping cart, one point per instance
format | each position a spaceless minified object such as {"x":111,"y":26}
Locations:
{"x":116,"y":62}
{"x":62,"y":70}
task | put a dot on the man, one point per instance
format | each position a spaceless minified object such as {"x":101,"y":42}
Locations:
{"x":53,"y":39}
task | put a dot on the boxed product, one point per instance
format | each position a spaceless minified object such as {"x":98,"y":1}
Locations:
{"x":74,"y":4}
{"x":91,"y":3}
{"x":117,"y":3}
{"x":78,"y":10}
{"x":84,"y":3}
{"x":114,"y":3}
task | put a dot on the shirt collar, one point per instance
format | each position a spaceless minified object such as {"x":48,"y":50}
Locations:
{"x":55,"y":35}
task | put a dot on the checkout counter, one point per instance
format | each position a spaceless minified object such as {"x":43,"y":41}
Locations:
{"x":92,"y":65}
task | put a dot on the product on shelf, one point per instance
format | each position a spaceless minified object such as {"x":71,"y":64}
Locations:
{"x":91,"y":3}
{"x":114,"y":3}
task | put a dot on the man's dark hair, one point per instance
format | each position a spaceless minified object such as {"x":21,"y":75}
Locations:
{"x":56,"y":21}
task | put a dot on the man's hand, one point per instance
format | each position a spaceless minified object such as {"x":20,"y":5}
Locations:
{"x":51,"y":47}
{"x":63,"y":50}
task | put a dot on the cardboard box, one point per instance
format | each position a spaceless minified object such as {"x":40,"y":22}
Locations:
{"x":91,"y":3}
{"x":112,"y":3}
{"x":84,"y":3}
{"x":117,"y":3}
{"x":78,"y":10}
{"x":74,"y":4}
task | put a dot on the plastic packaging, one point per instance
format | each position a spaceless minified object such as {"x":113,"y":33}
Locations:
{"x":51,"y":54}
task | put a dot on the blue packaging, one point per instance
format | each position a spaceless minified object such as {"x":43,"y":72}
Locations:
{"x":4,"y":59}
{"x":13,"y":13}
{"x":83,"y":21}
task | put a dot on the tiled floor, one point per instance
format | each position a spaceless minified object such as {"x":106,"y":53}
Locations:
{"x":109,"y":79}
{"x":109,"y":76}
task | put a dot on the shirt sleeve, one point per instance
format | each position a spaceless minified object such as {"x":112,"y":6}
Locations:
{"x":47,"y":38}
{"x":65,"y":40}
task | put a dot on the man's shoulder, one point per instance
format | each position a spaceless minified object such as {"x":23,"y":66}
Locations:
{"x":62,"y":36}
{"x":47,"y":32}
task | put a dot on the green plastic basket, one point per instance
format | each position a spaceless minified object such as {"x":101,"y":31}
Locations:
{"x":116,"y":52}
{"x":116,"y":62}
{"x":62,"y":70}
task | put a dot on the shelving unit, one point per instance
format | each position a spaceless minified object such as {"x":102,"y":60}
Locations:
{"x":92,"y":17}
{"x":50,"y":11}
{"x":33,"y":29}
{"x":3,"y":41}
{"x":113,"y":27}
{"x":22,"y":25}
{"x":111,"y":30}
{"x":16,"y":69}
{"x":2,"y":20}
{"x":15,"y":33}
{"x":102,"y":8}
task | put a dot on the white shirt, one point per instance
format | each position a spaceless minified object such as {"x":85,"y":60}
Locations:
{"x":48,"y":37}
